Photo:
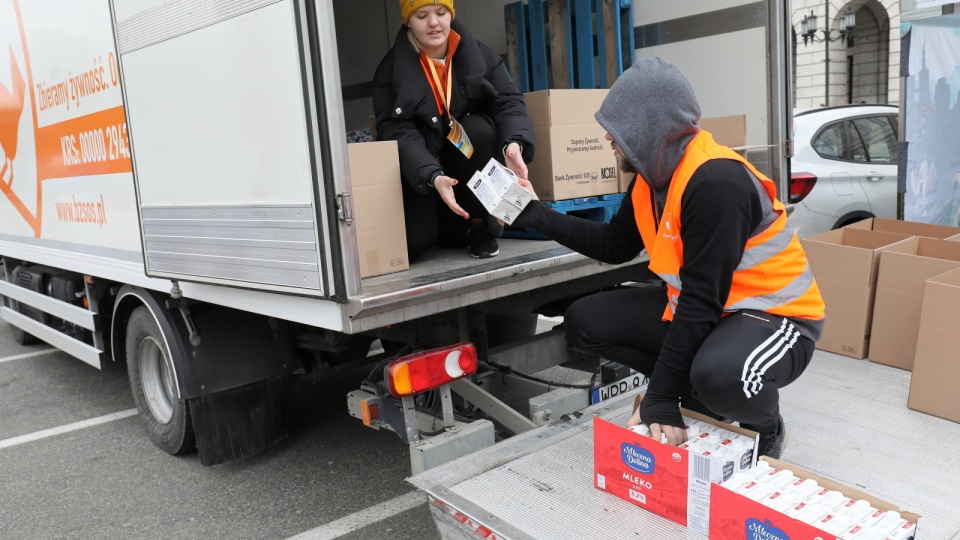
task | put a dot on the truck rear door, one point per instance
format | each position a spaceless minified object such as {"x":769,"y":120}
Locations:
{"x":736,"y":54}
{"x":235,"y":172}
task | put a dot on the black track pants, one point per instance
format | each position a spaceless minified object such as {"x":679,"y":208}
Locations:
{"x":737,"y":373}
{"x":428,"y":220}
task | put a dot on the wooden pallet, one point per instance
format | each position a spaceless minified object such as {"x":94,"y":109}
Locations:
{"x":569,"y":43}
{"x":599,"y":208}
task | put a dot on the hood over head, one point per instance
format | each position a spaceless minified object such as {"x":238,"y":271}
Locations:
{"x":652,"y":114}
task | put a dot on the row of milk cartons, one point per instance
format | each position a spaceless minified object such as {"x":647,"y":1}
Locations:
{"x":735,"y":451}
{"x":827,"y":510}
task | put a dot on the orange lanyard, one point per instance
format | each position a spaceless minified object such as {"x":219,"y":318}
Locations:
{"x":436,"y":81}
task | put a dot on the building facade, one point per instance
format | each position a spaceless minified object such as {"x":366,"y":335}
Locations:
{"x":865,"y":68}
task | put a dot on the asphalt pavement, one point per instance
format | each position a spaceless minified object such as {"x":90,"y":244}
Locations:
{"x":75,"y":462}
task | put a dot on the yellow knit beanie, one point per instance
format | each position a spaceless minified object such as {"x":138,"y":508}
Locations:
{"x":407,"y":7}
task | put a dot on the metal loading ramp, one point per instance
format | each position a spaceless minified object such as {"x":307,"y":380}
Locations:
{"x":847,"y":420}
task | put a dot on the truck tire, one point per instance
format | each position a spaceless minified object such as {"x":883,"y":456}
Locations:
{"x":23,"y":338}
{"x":166,"y":417}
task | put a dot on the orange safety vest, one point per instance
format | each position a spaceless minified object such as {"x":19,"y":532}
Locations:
{"x":773,"y":274}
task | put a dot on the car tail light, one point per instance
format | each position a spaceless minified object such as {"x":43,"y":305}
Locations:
{"x":800,"y":186}
{"x":427,"y":370}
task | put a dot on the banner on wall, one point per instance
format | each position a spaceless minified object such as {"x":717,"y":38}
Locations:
{"x":932,"y":122}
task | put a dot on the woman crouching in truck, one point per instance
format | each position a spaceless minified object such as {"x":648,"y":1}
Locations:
{"x":448,"y":101}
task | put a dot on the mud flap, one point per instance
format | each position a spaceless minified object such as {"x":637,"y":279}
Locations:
{"x":240,"y":422}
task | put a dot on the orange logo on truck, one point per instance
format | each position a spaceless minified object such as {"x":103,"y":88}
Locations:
{"x":11,"y":108}
{"x":87,"y":145}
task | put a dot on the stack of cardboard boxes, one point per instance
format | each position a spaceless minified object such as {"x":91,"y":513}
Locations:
{"x":892,"y":291}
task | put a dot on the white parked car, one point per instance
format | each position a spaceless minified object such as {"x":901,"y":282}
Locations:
{"x":844,"y":167}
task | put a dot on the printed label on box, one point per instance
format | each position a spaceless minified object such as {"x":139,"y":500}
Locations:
{"x":638,"y":469}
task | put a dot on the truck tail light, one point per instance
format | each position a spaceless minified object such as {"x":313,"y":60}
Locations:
{"x":416,"y":373}
{"x":800,"y":186}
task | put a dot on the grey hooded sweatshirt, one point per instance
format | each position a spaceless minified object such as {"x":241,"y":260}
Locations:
{"x":652,"y":114}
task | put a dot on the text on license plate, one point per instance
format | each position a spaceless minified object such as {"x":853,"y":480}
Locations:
{"x":615,"y":388}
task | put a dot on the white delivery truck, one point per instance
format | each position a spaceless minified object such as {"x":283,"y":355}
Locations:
{"x":177,"y":195}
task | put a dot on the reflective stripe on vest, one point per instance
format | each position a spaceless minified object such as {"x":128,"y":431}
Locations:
{"x":773,"y":274}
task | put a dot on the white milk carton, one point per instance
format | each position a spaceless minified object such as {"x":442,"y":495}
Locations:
{"x":499,"y":191}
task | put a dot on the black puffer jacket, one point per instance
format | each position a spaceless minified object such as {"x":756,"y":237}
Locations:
{"x":407,"y":111}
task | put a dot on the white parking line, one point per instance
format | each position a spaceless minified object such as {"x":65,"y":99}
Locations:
{"x":367,"y":516}
{"x":67,"y":428}
{"x":27,"y":355}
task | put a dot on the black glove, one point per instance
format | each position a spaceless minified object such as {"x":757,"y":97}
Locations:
{"x":534,"y":216}
{"x":661,"y":410}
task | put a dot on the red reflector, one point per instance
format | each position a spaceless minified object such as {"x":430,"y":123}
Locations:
{"x":369,"y":412}
{"x":427,"y":370}
{"x":800,"y":186}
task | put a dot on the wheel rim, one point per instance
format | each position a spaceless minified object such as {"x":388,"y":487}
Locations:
{"x":156,"y":377}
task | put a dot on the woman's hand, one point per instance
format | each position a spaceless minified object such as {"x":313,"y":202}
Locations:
{"x":444,"y":186}
{"x":525,"y":184}
{"x":514,"y":160}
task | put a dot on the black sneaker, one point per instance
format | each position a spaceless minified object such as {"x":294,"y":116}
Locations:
{"x":482,"y":244}
{"x":773,"y":444}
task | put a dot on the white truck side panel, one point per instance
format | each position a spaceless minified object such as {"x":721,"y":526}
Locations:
{"x":179,"y":158}
{"x":62,"y":129}
{"x":226,"y":164}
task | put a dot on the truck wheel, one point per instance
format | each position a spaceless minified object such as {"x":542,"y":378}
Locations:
{"x":23,"y":338}
{"x":150,"y":367}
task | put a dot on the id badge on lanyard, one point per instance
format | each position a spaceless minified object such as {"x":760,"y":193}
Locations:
{"x":457,"y":135}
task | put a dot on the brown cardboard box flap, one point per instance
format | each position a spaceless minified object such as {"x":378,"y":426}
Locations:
{"x":911,"y":228}
{"x":557,"y":107}
{"x":904,"y":269}
{"x":936,"y":368}
{"x":905,"y":265}
{"x":941,"y":302}
{"x":848,"y":254}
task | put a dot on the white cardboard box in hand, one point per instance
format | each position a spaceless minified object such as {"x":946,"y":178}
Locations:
{"x":499,"y":191}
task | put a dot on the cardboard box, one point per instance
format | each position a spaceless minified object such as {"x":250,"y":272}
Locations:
{"x":735,"y":517}
{"x":844,"y":263}
{"x":663,"y":479}
{"x":378,"y":207}
{"x":573,"y":158}
{"x":904,"y":268}
{"x":909,"y":228}
{"x":727,"y":130}
{"x":936,"y":368}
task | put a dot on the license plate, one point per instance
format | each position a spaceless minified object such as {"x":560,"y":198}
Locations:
{"x":616,"y":388}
